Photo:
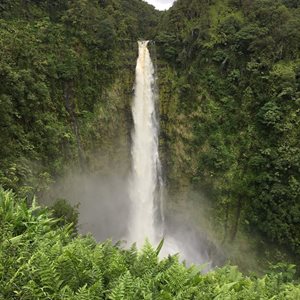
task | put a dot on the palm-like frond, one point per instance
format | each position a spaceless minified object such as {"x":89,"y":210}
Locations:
{"x":39,"y":260}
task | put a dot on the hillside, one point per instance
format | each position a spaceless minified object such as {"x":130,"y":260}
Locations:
{"x":228,"y":76}
{"x":67,"y":71}
{"x":229,"y":91}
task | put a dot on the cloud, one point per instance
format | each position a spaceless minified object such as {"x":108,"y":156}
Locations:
{"x":161,"y":4}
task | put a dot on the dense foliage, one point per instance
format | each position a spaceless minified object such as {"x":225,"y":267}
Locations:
{"x":230,"y":104}
{"x":65,"y":69}
{"x":39,"y":260}
{"x":229,"y":78}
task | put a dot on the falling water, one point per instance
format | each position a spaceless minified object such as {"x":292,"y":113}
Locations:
{"x":145,"y":186}
{"x":145,"y":178}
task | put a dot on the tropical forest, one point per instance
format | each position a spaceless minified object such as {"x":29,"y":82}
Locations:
{"x":150,"y":152}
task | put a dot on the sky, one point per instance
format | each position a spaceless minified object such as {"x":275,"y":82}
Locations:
{"x":161,"y":4}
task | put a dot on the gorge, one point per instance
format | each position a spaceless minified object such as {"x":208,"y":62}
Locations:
{"x":218,"y":122}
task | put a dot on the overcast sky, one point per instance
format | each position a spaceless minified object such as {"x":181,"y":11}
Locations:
{"x":161,"y":4}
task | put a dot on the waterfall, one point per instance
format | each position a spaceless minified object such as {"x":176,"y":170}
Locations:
{"x":145,"y":179}
{"x":145,"y":183}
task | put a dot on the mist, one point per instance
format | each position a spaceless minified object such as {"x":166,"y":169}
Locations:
{"x":104,"y":212}
{"x":128,"y":201}
{"x":125,"y":201}
{"x":103,"y":203}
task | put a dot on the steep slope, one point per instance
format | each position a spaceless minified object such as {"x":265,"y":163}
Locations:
{"x":66,"y":71}
{"x":229,"y":85}
{"x":229,"y":76}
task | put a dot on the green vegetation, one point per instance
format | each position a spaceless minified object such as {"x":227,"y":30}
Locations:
{"x":65,"y":213}
{"x":66,"y":68}
{"x":40,"y":260}
{"x":229,"y":79}
{"x":230,"y":101}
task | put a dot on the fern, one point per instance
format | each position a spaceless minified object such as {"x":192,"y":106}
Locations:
{"x":83,"y":293}
{"x":38,"y":260}
{"x":124,"y":288}
{"x":146,"y":261}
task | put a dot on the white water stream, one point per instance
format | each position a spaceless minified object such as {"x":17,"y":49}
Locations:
{"x":144,"y":181}
{"x":145,"y":186}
